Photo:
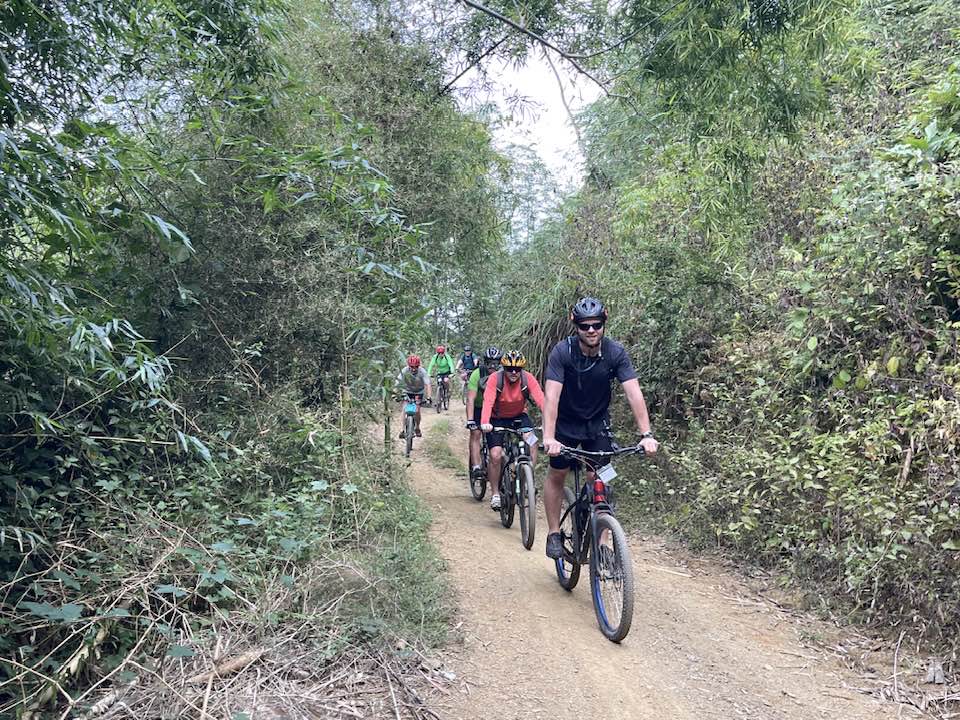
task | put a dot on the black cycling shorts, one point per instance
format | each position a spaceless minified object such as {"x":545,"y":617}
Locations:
{"x":495,"y":439}
{"x":601,"y":443}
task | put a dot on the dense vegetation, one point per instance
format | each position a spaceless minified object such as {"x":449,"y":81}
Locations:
{"x":224,"y":224}
{"x":221,"y":225}
{"x":780,"y":252}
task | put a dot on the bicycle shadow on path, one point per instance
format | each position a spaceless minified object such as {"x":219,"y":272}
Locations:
{"x":699,"y":648}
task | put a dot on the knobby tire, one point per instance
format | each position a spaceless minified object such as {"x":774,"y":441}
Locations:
{"x":528,"y":505}
{"x":612,"y":587}
{"x":568,"y":567}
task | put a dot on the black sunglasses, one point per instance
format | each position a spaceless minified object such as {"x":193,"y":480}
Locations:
{"x":590,"y":326}
{"x":512,"y":369}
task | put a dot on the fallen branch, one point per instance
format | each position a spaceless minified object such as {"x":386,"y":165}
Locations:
{"x":230,"y":666}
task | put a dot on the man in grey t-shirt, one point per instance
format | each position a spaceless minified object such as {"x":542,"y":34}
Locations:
{"x":576,"y":411}
{"x":413,"y":380}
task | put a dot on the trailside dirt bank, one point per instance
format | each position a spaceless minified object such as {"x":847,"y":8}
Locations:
{"x":702,"y":644}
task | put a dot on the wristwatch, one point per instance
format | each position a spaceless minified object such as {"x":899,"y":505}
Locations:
{"x":647,"y":434}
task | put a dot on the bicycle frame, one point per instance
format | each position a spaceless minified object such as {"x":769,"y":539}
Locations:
{"x":517,"y":449}
{"x":591,"y":500}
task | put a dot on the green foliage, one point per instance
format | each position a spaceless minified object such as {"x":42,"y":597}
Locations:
{"x":205,"y":231}
{"x":792,"y":309}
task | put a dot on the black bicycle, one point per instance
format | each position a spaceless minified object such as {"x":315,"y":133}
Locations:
{"x":517,"y":489}
{"x":443,"y":392}
{"x":410,"y":418}
{"x":478,"y":477}
{"x":590,"y":532}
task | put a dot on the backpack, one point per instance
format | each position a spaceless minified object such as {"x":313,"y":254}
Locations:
{"x":523,"y":386}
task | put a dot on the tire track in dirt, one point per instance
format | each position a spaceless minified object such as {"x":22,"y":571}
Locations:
{"x":702,"y":646}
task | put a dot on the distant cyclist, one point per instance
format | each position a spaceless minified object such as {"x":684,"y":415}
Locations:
{"x":505,"y":405}
{"x":444,"y":367}
{"x":580,"y":370}
{"x":466,"y":364}
{"x":476,"y":384}
{"x":413,"y":380}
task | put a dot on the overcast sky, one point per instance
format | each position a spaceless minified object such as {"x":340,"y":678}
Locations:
{"x":546,"y":126}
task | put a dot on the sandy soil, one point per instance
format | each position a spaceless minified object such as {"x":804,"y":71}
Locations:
{"x":703,"y":643}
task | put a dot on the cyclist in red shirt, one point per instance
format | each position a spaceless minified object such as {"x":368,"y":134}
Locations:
{"x":505,"y":400}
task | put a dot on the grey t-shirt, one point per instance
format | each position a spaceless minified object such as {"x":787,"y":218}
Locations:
{"x":413,"y":382}
{"x":584,"y":409}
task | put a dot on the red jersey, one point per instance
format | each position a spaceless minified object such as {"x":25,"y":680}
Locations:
{"x":511,"y":401}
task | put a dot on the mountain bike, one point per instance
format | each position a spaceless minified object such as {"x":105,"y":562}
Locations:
{"x":478,"y":479}
{"x":443,"y":393}
{"x":410,"y":418}
{"x":517,"y":489}
{"x":591,"y":533}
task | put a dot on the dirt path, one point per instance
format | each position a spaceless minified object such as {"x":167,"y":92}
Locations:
{"x":702,"y":644}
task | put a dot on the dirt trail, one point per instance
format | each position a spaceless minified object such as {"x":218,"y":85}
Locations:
{"x":702,"y":644}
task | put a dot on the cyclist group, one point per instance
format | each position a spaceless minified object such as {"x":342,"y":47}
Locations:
{"x":574,"y":401}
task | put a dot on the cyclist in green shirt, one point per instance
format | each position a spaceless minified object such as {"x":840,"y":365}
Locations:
{"x":444,"y":365}
{"x":475,"y":385}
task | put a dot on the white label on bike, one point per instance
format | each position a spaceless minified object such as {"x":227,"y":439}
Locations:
{"x":531,"y":438}
{"x":606,"y":473}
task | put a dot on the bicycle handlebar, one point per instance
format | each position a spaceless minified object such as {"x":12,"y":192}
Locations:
{"x":586,"y":454}
{"x":516,"y":431}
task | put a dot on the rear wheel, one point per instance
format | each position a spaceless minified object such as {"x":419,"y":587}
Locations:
{"x":568,"y":567}
{"x":506,"y":495}
{"x":528,"y":505}
{"x":611,"y":579}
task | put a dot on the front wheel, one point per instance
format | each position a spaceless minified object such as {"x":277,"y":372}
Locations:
{"x":478,"y":482}
{"x":408,"y":424}
{"x":611,"y":578}
{"x":528,"y":505}
{"x":506,"y":495}
{"x":568,"y":567}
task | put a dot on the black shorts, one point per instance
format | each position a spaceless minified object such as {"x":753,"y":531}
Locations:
{"x":495,"y":439}
{"x":601,"y":443}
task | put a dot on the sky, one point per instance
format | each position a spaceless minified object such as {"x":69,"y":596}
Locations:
{"x":545,"y":125}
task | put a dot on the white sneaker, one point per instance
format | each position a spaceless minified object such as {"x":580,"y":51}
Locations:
{"x":495,"y":502}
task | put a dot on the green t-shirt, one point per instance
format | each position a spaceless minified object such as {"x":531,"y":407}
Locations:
{"x":443,"y":364}
{"x":473,"y":383}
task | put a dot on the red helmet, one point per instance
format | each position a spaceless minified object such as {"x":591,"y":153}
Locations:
{"x":413,"y":362}
{"x":441,"y":349}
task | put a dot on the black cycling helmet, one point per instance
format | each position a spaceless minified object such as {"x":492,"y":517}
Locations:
{"x":492,"y":354}
{"x":467,"y":348}
{"x":588,"y":307}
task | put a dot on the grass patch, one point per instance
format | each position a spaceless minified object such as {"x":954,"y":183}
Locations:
{"x":440,"y":453}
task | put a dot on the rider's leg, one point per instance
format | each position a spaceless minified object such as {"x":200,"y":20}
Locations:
{"x":493,"y":469}
{"x":553,"y":497}
{"x":474,"y":449}
{"x":417,"y":422}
